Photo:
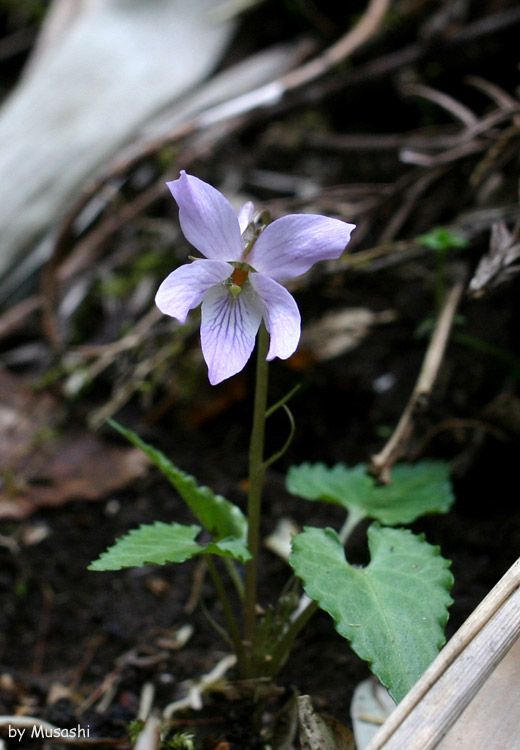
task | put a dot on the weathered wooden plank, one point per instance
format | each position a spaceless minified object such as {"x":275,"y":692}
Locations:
{"x":440,"y":697}
{"x":492,"y":719}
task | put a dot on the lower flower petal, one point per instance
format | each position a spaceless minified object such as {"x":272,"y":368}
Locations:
{"x":228,"y":330}
{"x":185,"y":287}
{"x":281,"y":314}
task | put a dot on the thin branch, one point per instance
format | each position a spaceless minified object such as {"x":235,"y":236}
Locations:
{"x":448,"y":103}
{"x":363,"y":31}
{"x":272,"y":94}
{"x":267,"y":95}
{"x":496,"y":93}
{"x":382,"y":462}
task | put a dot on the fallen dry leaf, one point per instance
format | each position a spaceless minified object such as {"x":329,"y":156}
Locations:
{"x":500,"y":263}
{"x":44,"y":464}
{"x":321,"y":732}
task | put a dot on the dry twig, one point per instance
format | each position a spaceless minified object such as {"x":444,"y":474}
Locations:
{"x":268,"y":95}
{"x":382,"y":462}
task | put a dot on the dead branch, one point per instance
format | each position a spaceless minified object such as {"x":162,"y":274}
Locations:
{"x":365,"y":29}
{"x":382,"y":462}
{"x":453,"y":106}
{"x":266,"y":95}
{"x":271,"y":95}
{"x":411,"y":196}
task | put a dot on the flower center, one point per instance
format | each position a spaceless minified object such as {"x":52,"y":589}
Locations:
{"x":238,"y":277}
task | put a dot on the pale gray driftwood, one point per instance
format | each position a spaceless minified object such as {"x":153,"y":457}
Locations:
{"x":59,"y":19}
{"x":119,"y":64}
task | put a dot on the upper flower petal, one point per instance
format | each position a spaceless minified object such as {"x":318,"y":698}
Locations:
{"x":246,"y":216}
{"x":228,"y":330}
{"x":291,"y":245}
{"x":281,"y":314}
{"x":207,"y":218}
{"x":185,"y":287}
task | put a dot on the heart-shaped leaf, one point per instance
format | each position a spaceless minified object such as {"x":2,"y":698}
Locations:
{"x":394,"y":611}
{"x":415,"y":490}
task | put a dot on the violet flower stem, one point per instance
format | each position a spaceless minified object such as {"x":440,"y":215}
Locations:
{"x":256,"y":477}
{"x":285,"y":644}
{"x":235,"y":576}
{"x":229,"y":617}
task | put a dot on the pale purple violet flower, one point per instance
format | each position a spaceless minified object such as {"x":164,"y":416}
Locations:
{"x":237,"y":280}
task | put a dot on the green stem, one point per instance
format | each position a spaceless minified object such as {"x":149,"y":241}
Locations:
{"x":256,"y":476}
{"x":350,"y":524}
{"x":235,"y":576}
{"x":280,"y":453}
{"x":440,"y":280}
{"x":282,"y":401}
{"x":480,"y":345}
{"x":285,"y":644}
{"x":229,"y":617}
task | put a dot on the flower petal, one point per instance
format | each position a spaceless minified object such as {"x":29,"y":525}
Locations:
{"x":228,"y":330}
{"x":291,"y":245}
{"x":185,"y":287}
{"x":281,"y":314}
{"x":246,"y":216}
{"x":207,"y":218}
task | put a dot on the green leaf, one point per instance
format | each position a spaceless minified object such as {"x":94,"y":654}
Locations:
{"x":443,"y":239}
{"x":151,"y":544}
{"x":394,"y":611}
{"x":415,"y":490}
{"x":230,"y":547}
{"x":161,"y":543}
{"x":216,"y":514}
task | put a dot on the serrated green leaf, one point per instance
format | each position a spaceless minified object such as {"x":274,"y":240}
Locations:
{"x":160,"y":543}
{"x":230,"y":547}
{"x":415,"y":490}
{"x":151,"y":544}
{"x":216,"y":514}
{"x":394,"y":611}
